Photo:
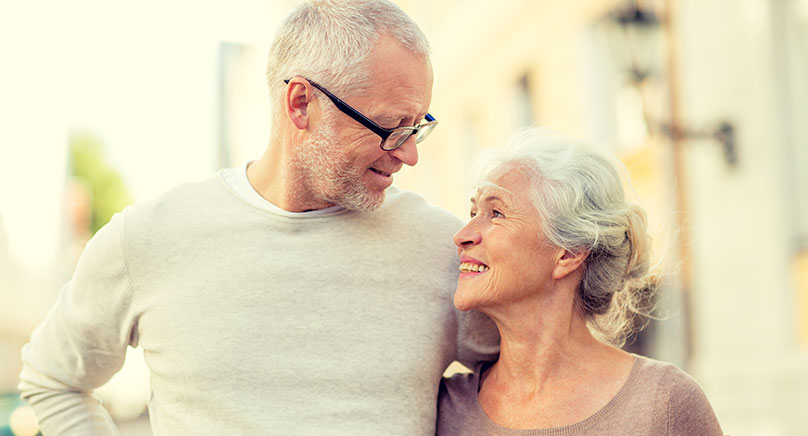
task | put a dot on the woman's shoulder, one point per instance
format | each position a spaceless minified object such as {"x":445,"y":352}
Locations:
{"x":459,"y":391}
{"x":687,"y":406}
{"x":664,"y":375}
{"x":460,"y":384}
{"x":458,"y":413}
{"x":653,"y":368}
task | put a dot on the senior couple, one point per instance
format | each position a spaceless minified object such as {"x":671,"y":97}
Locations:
{"x":302,"y":294}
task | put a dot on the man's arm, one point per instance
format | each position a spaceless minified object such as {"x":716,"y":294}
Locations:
{"x":477,"y":338}
{"x":82,"y":341}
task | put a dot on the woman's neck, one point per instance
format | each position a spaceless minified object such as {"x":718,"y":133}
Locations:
{"x":543,"y":342}
{"x":551,"y":370}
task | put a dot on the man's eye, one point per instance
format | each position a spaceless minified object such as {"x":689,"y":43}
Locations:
{"x":472,"y":214}
{"x":497,"y":214}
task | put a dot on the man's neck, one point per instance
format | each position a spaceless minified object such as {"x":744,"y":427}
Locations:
{"x":276,"y":181}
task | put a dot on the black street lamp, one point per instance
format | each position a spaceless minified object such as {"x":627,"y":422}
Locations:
{"x":637,"y":40}
{"x":636,"y":36}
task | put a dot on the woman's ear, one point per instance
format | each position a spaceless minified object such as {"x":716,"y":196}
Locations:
{"x":568,"y":262}
{"x":296,"y":101}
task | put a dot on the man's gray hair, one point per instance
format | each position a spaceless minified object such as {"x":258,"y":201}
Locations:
{"x":329,"y":41}
{"x":578,"y":193}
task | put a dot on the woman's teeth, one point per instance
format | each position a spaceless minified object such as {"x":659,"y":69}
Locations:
{"x":473,"y":267}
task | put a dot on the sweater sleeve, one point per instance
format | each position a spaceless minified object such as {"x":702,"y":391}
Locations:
{"x":689,"y":411}
{"x":82,"y":341}
{"x":478,"y":338}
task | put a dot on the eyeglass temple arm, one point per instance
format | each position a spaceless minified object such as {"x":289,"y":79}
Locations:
{"x":365,"y":121}
{"x":344,"y":107}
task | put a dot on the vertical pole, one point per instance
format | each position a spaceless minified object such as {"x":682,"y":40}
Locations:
{"x":679,"y":182}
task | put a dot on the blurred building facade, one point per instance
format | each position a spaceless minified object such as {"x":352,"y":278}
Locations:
{"x":734,"y":234}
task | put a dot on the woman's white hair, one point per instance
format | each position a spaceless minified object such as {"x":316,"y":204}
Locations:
{"x":578,"y":193}
{"x":329,"y":41}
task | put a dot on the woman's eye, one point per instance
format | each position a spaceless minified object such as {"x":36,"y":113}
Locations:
{"x":497,"y":214}
{"x":472,"y":214}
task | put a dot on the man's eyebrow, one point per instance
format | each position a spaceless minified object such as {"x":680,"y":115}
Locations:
{"x":397,"y":117}
{"x":389,"y":117}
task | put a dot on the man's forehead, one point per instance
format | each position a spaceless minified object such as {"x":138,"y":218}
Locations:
{"x":400,"y":80}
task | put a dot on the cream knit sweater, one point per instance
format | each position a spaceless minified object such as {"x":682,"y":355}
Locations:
{"x":257,"y":323}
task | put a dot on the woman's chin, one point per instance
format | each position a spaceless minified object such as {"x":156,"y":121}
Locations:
{"x":462,"y":302}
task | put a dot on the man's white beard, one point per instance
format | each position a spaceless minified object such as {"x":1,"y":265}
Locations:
{"x":328,"y":176}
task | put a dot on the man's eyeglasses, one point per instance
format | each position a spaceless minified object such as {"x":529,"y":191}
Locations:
{"x":391,"y":138}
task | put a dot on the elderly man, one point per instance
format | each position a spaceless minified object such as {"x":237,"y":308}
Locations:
{"x":298,"y":294}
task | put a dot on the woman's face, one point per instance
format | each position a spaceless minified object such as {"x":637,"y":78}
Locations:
{"x":504,"y":256}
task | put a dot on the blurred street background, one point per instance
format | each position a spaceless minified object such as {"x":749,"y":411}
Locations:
{"x":103,"y":104}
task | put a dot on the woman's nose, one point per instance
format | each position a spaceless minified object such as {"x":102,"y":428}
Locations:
{"x":467,"y":236}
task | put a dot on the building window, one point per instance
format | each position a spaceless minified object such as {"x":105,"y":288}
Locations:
{"x":523,"y":115}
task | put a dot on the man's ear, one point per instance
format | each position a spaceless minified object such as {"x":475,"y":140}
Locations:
{"x":567,"y":262}
{"x":296,"y":101}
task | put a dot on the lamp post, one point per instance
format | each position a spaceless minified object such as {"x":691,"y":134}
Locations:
{"x":636,"y":40}
{"x":636,"y":35}
{"x":644,"y":45}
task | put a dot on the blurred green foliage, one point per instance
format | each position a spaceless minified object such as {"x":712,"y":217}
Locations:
{"x":109,"y":194}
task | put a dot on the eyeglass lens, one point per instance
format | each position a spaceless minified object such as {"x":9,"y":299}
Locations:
{"x":400,"y":136}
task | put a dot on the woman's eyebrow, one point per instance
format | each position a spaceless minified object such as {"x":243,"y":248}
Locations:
{"x":487,"y":199}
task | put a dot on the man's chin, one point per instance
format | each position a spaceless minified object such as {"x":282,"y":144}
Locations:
{"x":368,"y":202}
{"x":365,"y":200}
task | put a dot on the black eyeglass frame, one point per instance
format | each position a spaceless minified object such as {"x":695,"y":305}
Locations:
{"x":373,"y":127}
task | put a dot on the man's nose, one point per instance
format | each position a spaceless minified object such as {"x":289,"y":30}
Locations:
{"x":408,"y":152}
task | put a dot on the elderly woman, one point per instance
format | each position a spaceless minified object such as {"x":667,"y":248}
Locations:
{"x":558,"y":259}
